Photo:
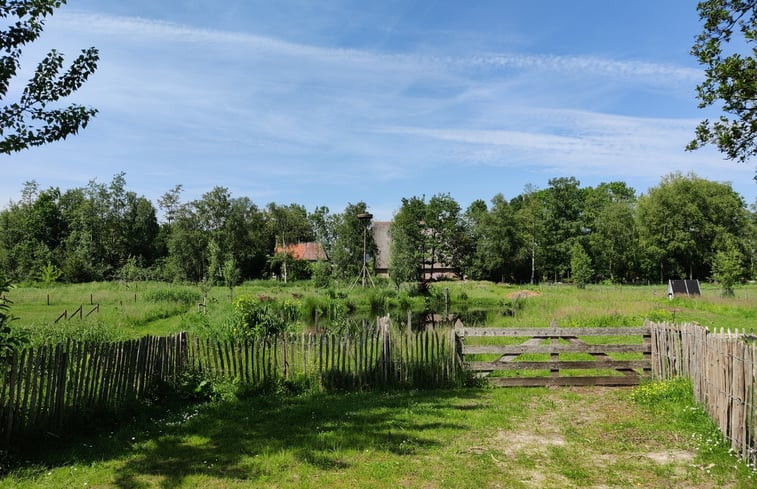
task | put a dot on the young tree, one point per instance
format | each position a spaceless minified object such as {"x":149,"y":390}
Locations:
{"x":347,"y":252}
{"x":230,"y":274}
{"x":30,"y":121}
{"x":49,"y":274}
{"x":474,"y":224}
{"x":531,"y":211}
{"x":727,"y":268}
{"x":580,"y":266}
{"x":170,"y":202}
{"x":324,"y":225}
{"x":286,"y":225}
{"x":321,"y":274}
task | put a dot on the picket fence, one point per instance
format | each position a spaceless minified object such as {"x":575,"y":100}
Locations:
{"x":723,"y":369}
{"x":44,"y":387}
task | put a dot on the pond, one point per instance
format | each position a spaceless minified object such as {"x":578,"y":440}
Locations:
{"x":417,"y":320}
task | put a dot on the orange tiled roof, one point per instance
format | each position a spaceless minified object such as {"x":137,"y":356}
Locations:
{"x":310,"y":251}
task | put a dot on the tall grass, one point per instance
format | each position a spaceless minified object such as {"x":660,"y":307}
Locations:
{"x":140,"y":308}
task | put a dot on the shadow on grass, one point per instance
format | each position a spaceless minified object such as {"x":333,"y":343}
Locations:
{"x":253,"y":439}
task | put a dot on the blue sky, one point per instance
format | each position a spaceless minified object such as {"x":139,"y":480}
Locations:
{"x":325,"y":103}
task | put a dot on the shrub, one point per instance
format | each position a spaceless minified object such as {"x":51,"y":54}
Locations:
{"x":321,"y":274}
{"x":380,"y":301}
{"x":9,"y":340}
{"x":254,"y":317}
{"x":580,"y":266}
{"x":661,"y":316}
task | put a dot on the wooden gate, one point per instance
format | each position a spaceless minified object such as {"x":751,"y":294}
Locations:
{"x":557,"y":356}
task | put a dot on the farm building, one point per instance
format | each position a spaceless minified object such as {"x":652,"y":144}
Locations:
{"x":311,"y":251}
{"x":380,"y":230}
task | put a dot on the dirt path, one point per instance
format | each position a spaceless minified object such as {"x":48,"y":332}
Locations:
{"x":596,"y":437}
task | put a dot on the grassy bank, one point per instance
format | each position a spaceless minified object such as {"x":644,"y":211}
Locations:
{"x":516,"y":438}
{"x":136,"y":309}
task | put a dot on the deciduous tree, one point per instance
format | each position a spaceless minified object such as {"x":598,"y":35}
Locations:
{"x":726,"y":49}
{"x":347,"y":252}
{"x":580,"y":266}
{"x":681,"y":221}
{"x":35,"y":118}
{"x":408,"y":241}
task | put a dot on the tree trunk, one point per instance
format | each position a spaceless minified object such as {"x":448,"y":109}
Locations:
{"x":533,"y":262}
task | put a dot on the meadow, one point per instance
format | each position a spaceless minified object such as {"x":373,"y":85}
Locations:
{"x":294,"y":435}
{"x":140,"y":308}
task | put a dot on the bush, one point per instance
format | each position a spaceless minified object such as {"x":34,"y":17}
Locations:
{"x":10,"y":341}
{"x":255,"y":317}
{"x":380,"y":301}
{"x":661,"y":316}
{"x":321,"y":274}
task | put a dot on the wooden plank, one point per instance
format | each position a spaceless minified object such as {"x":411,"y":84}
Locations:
{"x":554,"y":359}
{"x":520,"y":349}
{"x":562,"y":381}
{"x":24,"y":411}
{"x":115,"y":382}
{"x":512,"y":357}
{"x":12,"y":384}
{"x":553,"y":332}
{"x":61,"y":394}
{"x":600,"y":356}
{"x":36,"y":379}
{"x":46,"y":405}
{"x":560,"y":365}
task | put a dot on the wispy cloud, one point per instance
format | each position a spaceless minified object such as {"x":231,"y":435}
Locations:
{"x":582,"y":143}
{"x":148,"y":30}
{"x":298,"y":121}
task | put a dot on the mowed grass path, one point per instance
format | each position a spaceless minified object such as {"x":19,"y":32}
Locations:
{"x":469,"y":438}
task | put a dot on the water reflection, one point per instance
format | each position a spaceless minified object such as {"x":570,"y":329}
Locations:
{"x":415,"y":320}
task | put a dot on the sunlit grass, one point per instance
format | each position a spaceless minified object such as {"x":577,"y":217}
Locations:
{"x":126,"y":312}
{"x":516,"y":437}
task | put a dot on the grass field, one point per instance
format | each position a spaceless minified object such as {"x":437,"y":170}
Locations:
{"x":127,"y":311}
{"x":653,"y":436}
{"x":470,"y":438}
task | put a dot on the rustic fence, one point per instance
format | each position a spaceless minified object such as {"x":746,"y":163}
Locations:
{"x":723,"y":371}
{"x":562,"y":350}
{"x":44,"y":387}
{"x":373,"y":358}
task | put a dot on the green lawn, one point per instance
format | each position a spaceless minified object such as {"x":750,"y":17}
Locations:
{"x":509,"y":438}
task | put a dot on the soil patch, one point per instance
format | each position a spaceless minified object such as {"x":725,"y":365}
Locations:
{"x":671,"y":456}
{"x":523,"y":294}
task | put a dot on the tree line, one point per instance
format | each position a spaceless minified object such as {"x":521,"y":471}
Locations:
{"x":684,"y":227}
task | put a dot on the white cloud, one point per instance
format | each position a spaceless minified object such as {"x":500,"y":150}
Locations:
{"x":142,"y":30}
{"x":208,"y":107}
{"x":584,"y":143}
